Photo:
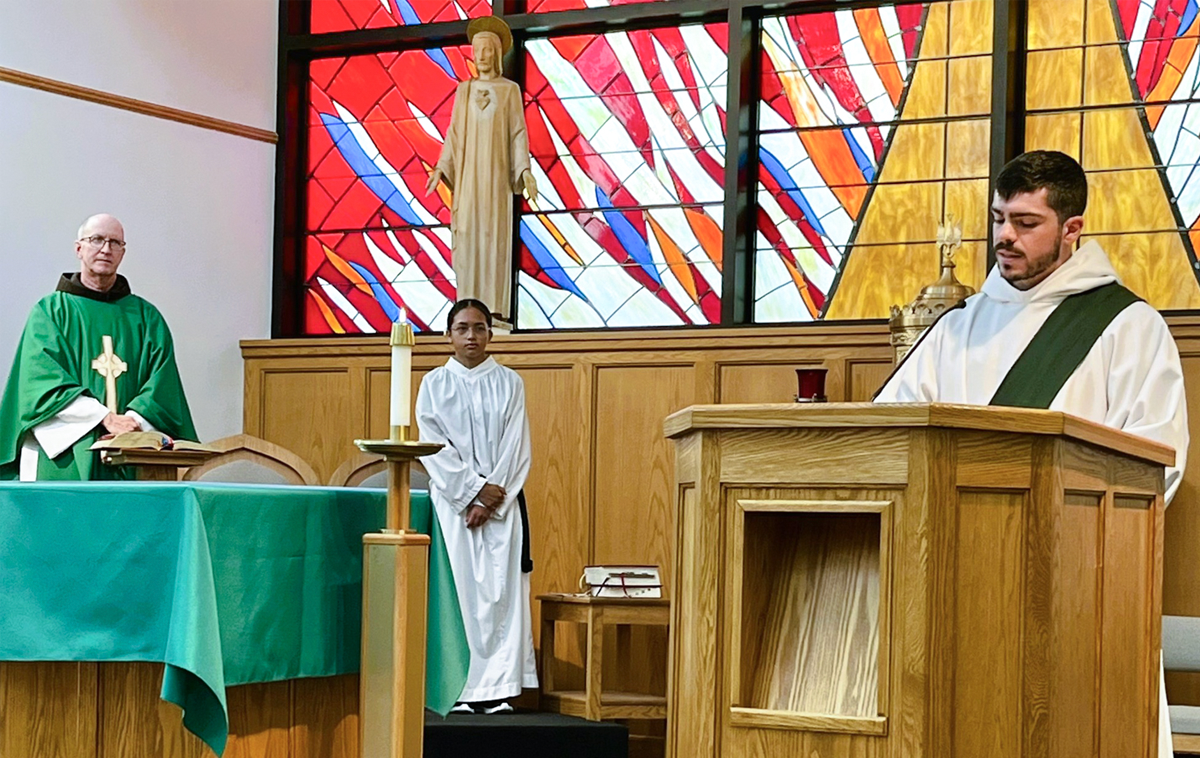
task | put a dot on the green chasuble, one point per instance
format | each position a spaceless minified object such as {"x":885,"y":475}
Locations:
{"x":53,"y":367}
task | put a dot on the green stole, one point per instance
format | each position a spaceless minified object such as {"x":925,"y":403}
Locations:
{"x":1061,"y":345}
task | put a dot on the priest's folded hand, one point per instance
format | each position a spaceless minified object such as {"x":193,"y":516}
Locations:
{"x":116,"y":424}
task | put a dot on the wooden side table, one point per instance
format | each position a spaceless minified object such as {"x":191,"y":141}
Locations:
{"x":594,"y":703}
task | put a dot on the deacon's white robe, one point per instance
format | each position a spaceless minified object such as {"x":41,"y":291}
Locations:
{"x":1131,"y":379}
{"x":479,"y":415}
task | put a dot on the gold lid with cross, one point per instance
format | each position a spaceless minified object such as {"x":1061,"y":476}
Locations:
{"x":907,"y":323}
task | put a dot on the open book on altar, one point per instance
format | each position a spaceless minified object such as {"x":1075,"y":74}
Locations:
{"x":148,"y":441}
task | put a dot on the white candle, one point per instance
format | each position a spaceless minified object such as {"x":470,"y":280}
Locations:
{"x":401,"y":384}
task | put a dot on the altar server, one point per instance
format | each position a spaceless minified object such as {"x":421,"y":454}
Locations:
{"x":476,"y":408}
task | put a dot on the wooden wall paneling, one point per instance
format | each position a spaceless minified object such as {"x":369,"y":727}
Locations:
{"x":634,"y":483}
{"x":864,"y":378}
{"x":325,"y":717}
{"x":1181,"y":575}
{"x":559,"y":513}
{"x":48,"y":709}
{"x":135,"y":722}
{"x":322,"y":406}
{"x":260,"y":720}
{"x":761,"y":383}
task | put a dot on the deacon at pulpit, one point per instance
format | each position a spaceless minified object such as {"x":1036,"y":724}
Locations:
{"x":1054,"y":328}
{"x":94,"y":359}
{"x":476,"y":408}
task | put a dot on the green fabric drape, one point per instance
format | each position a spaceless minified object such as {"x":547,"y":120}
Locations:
{"x":226,"y":584}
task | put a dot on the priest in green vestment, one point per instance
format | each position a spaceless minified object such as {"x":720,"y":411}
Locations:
{"x":94,"y":359}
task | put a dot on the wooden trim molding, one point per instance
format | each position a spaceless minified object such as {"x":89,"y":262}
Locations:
{"x":54,"y":86}
{"x":808,"y":722}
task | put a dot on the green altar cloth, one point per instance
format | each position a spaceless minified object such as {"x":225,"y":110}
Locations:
{"x":224,"y":583}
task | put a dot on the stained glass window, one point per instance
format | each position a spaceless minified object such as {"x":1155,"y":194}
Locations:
{"x":1165,"y":68}
{"x":347,"y":15}
{"x":376,"y":242}
{"x":832,"y":87}
{"x":546,"y":6}
{"x":1116,"y":85}
{"x":627,"y":135}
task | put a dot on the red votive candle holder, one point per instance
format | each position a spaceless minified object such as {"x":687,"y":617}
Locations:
{"x":811,"y":382}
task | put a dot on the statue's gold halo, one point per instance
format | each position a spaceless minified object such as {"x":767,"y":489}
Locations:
{"x":495,"y":26}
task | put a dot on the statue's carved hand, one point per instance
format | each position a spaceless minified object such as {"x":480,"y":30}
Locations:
{"x":530,"y":184}
{"x":435,"y":176}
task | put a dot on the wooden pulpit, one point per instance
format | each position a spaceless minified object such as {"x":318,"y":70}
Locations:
{"x":859,"y":580}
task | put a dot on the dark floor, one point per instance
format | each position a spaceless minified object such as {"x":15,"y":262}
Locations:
{"x":523,"y":734}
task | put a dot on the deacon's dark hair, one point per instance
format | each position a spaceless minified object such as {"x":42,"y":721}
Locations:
{"x":462,"y":305}
{"x":1057,"y":172}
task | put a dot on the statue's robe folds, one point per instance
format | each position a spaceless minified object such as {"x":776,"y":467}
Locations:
{"x":485,"y":153}
{"x":54,"y":401}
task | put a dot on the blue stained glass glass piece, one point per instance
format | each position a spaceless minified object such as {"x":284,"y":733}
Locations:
{"x":784,"y":179}
{"x":366,"y":169}
{"x":381,"y":295}
{"x":546,"y":260}
{"x":629,"y":238}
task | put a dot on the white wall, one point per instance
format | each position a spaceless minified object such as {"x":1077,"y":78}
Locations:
{"x":197,"y":205}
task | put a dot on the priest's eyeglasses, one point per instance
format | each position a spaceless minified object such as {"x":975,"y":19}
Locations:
{"x":99,"y":242}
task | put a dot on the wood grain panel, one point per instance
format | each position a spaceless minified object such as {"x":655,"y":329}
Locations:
{"x":815,"y":456}
{"x":558,"y":509}
{"x":325,"y":717}
{"x":819,"y":640}
{"x":134,"y":722}
{"x":694,"y":620}
{"x":1181,"y":580}
{"x":763,"y":743}
{"x":865,"y":378}
{"x":1074,"y":619}
{"x":1125,"y":632}
{"x":260,"y":718}
{"x":987,"y":688}
{"x":761,"y":384}
{"x":312,"y":406}
{"x":988,"y":460}
{"x":634,"y":463}
{"x":634,"y":486}
{"x":48,"y":709}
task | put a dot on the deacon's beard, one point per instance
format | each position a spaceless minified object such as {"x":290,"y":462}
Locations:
{"x":1020,"y":281}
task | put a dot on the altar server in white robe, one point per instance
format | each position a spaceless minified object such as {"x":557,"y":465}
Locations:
{"x":476,"y":408}
{"x":1130,"y":378}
